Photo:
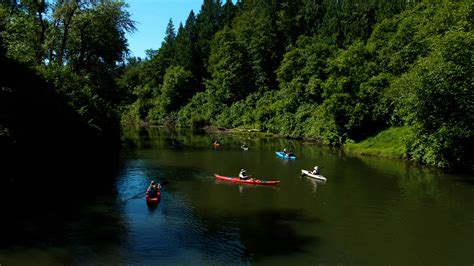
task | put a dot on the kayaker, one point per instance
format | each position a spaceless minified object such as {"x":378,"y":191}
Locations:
{"x":152,"y":183}
{"x":153,"y":189}
{"x":244,"y":146}
{"x":315,"y":171}
{"x":153,"y":192}
{"x":284,"y":151}
{"x":243,"y":174}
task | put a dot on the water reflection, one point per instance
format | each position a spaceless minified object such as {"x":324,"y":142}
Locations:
{"x":301,"y":221}
{"x":415,"y":212}
{"x":152,"y":207}
{"x":270,"y":232}
{"x":314,"y":182}
{"x":416,"y":182}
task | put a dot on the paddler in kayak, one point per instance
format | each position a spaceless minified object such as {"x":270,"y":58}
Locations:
{"x":315,"y":170}
{"x":152,"y":183}
{"x":288,"y":153}
{"x":243,"y":174}
{"x":153,"y":189}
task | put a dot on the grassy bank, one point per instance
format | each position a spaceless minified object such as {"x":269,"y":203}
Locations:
{"x":388,"y":143}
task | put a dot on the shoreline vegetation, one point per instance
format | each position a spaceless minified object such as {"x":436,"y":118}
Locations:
{"x":354,"y":74}
{"x":387,"y":78}
{"x":59,"y":100}
{"x":386,"y":144}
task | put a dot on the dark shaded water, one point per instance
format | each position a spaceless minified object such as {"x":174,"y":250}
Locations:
{"x":370,"y":212}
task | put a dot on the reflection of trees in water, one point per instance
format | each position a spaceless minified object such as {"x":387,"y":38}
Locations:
{"x":136,"y":138}
{"x":414,"y":181}
{"x":421,"y":183}
{"x":152,"y":137}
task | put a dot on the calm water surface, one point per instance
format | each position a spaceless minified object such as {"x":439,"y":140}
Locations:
{"x":370,"y":212}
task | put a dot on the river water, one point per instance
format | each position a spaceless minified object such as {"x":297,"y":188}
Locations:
{"x":370,"y":211}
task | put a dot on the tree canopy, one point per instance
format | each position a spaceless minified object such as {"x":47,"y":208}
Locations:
{"x":336,"y":71}
{"x":333,"y":70}
{"x":59,"y":92}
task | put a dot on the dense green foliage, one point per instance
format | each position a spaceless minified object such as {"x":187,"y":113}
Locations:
{"x":59,"y":96}
{"x":388,"y":143}
{"x":337,"y":71}
{"x":75,"y":46}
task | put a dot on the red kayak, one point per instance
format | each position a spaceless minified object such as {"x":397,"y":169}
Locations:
{"x":246,"y":181}
{"x":153,"y":200}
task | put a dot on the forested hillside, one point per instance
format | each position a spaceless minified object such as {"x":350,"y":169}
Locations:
{"x":336,"y":71}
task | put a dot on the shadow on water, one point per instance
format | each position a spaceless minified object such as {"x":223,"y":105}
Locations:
{"x":467,"y":180}
{"x":263,"y":234}
{"x":263,"y":231}
{"x":56,"y":177}
{"x":152,"y":206}
{"x":56,"y":211}
{"x":364,"y":202}
{"x":269,"y":232}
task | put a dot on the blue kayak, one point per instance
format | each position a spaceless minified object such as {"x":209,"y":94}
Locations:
{"x":284,"y":155}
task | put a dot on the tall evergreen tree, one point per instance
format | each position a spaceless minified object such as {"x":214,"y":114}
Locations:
{"x":168,"y":46}
{"x":208,"y":22}
{"x":195,"y":60}
{"x":256,"y":30}
{"x":228,"y":13}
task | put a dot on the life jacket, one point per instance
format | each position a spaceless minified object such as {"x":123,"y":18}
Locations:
{"x":153,"y":193}
{"x":243,"y":175}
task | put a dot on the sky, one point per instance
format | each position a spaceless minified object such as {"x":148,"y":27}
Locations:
{"x":151,"y":18}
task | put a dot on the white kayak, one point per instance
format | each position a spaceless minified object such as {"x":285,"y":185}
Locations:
{"x":317,"y":177}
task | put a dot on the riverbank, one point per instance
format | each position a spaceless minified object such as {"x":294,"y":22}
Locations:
{"x":213,"y":130}
{"x":388,"y":144}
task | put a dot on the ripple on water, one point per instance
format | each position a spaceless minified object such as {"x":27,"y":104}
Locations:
{"x":177,"y":229}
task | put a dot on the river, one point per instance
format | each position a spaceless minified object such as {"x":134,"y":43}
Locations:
{"x":371,"y":211}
